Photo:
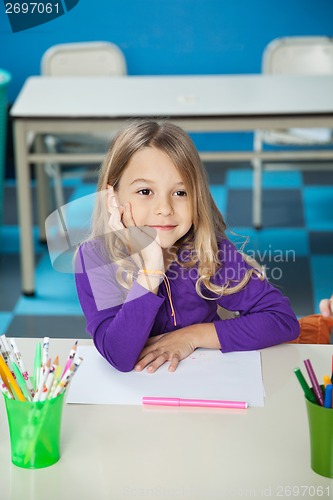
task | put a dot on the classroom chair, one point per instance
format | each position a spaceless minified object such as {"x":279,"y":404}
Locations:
{"x":79,"y":59}
{"x":293,"y":56}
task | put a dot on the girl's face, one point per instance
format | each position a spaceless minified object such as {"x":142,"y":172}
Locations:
{"x":156,"y":192}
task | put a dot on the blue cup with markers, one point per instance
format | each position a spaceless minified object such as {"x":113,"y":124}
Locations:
{"x":321,"y":438}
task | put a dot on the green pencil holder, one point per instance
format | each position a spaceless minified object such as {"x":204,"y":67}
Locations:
{"x":321,"y":438}
{"x":34,"y":430}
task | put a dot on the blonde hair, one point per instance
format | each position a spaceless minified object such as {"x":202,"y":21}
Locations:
{"x":208,"y":227}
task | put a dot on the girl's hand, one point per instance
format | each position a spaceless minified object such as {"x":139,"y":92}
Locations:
{"x":142,"y":242}
{"x":326,"y":307}
{"x":116,"y":212}
{"x":173,"y":347}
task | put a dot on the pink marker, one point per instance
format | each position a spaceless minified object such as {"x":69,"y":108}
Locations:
{"x":206,"y":403}
{"x":70,"y":358}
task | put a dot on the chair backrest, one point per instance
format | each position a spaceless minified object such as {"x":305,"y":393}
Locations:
{"x":299,"y":55}
{"x":84,"y":59}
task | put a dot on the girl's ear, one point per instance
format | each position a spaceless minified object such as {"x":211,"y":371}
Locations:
{"x":112,"y":200}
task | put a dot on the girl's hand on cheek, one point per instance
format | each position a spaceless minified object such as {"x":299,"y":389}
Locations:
{"x":121,"y":220}
{"x":142,"y":242}
{"x":115,"y":221}
{"x":127,"y":217}
{"x":172,"y":347}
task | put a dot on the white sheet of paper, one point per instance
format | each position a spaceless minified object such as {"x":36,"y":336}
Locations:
{"x":206,"y":374}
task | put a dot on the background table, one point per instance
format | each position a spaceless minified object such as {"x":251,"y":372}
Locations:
{"x":123,"y":452}
{"x":196,"y":103}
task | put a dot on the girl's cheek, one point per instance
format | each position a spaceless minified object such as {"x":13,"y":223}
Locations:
{"x":138,"y":214}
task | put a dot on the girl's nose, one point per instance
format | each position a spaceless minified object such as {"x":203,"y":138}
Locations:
{"x":163,"y":207}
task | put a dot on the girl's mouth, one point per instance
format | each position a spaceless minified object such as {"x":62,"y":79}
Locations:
{"x":163,"y":228}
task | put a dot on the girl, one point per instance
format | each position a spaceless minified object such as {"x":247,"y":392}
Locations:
{"x":158,"y":264}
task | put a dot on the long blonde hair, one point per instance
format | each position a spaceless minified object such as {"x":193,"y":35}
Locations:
{"x":208,"y":227}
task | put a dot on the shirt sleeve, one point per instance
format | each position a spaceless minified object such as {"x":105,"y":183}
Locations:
{"x":265,"y":315}
{"x":119,"y":320}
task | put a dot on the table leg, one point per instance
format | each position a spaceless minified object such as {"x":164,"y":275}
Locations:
{"x":43,"y":194}
{"x":24,"y":208}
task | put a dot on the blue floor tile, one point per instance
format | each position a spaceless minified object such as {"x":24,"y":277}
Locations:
{"x":216,"y":172}
{"x":322,"y":278}
{"x":293,"y":278}
{"x":54,"y":326}
{"x":219,"y":195}
{"x":285,"y":241}
{"x":321,"y":242}
{"x":83,"y":190}
{"x":318,"y":177}
{"x":281,"y":208}
{"x":5,"y":319}
{"x":318,"y":207}
{"x":10,"y":239}
{"x":55,"y":293}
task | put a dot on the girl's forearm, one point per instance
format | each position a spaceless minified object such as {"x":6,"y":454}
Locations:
{"x":204,"y":335}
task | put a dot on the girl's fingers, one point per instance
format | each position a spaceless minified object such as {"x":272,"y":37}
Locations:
{"x":114,"y":210}
{"x":137,"y":239}
{"x":144,"y":235}
{"x":150,"y":347}
{"x":127,"y":215}
{"x":144,"y":361}
{"x":175,"y":360}
{"x":162,"y":358}
{"x":115,"y":220}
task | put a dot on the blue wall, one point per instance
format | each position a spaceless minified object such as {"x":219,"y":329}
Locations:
{"x":169,"y":36}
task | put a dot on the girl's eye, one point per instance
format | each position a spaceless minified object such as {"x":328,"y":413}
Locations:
{"x":145,"y":192}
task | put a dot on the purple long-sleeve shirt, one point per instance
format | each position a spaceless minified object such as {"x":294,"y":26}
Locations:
{"x":120,"y":321}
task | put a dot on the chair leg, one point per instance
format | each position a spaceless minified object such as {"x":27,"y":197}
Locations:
{"x":54,"y":171}
{"x":58,"y":187}
{"x":257,"y":181}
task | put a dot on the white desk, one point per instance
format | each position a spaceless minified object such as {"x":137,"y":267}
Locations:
{"x":196,"y":103}
{"x":124,"y":452}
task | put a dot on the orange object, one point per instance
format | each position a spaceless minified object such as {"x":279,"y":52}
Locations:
{"x":4,"y":378}
{"x":18,"y":394}
{"x":315,"y":329}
